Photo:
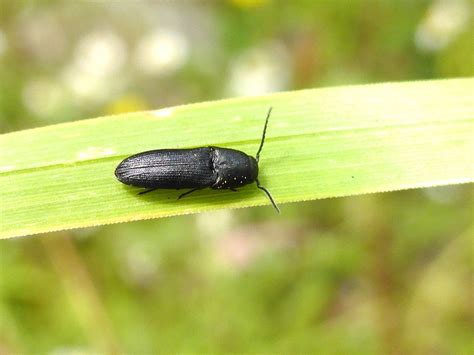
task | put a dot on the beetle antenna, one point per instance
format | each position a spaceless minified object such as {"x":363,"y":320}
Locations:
{"x":257,"y":157}
{"x":268,"y":194}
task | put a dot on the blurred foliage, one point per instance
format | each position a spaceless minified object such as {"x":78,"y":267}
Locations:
{"x":387,"y":273}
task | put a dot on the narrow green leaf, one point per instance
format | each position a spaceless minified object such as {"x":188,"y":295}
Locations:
{"x":320,"y":143}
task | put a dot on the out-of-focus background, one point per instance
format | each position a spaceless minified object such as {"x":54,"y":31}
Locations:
{"x":384,"y":273}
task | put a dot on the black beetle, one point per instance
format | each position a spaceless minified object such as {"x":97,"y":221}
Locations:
{"x":195,"y":169}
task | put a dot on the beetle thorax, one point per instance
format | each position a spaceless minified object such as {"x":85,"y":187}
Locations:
{"x":233,"y":168}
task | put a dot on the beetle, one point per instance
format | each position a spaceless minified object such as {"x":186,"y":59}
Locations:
{"x":195,"y":169}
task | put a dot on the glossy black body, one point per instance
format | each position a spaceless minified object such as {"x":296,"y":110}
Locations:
{"x":214,"y":167}
{"x":195,"y":169}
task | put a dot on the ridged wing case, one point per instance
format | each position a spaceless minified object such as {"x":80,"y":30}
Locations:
{"x":168,"y":169}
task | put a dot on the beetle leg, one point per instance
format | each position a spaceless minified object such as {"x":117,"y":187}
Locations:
{"x":147,"y":191}
{"x":187,"y":193}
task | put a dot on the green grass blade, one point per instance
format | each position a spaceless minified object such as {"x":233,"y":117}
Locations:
{"x":320,"y":143}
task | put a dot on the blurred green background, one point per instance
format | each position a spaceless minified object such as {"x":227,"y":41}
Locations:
{"x":376,"y":274}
